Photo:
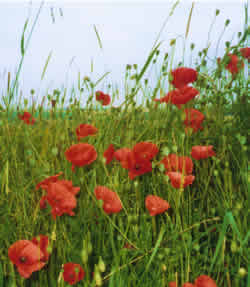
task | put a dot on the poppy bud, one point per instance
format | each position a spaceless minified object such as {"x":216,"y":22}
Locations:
{"x":89,"y":247}
{"x":160,"y":256}
{"x":25,"y":101}
{"x":242,"y":272}
{"x":84,"y":256}
{"x":54,"y":151}
{"x":164,"y":267}
{"x":192,"y":46}
{"x":227,"y":22}
{"x":172,"y":42}
{"x":32,"y":91}
{"x":217,"y":12}
{"x":86,"y":78}
{"x":97,"y":276}
{"x":101,"y":265}
{"x":136,"y":184}
{"x":234,"y":247}
{"x":215,"y":172}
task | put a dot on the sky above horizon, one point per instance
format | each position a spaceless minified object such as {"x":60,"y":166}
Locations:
{"x":127,"y":32}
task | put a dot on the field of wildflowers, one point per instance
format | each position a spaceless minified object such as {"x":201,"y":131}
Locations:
{"x":153,"y":195}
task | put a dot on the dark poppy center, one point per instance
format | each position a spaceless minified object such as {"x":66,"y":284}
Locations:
{"x":22,"y":259}
{"x":137,"y":166}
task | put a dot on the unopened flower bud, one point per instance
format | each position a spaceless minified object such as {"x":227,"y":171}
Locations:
{"x":84,"y":256}
{"x":172,"y":42}
{"x":242,"y":272}
{"x":101,"y":265}
{"x":227,"y":22}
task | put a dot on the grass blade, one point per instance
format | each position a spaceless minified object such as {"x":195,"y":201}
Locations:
{"x":46,"y":65}
{"x":154,"y":252}
{"x":99,"y":80}
{"x":98,"y":37}
{"x":22,"y":39}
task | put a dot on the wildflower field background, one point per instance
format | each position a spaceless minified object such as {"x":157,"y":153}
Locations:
{"x":148,"y":195}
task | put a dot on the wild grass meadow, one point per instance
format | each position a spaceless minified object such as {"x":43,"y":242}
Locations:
{"x":137,"y":195}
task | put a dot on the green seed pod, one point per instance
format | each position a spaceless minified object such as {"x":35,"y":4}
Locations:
{"x":101,"y":265}
{"x":234,"y":247}
{"x":217,"y":12}
{"x":84,"y":256}
{"x":89,"y":247}
{"x":242,"y":272}
{"x":97,"y":277}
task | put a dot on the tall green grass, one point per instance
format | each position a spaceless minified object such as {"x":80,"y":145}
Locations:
{"x":206,"y":230}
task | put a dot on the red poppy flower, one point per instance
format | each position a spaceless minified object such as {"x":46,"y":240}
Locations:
{"x":61,"y":198}
{"x":85,"y":130}
{"x":122,"y":156}
{"x":185,"y":163}
{"x":137,"y":165}
{"x":245,"y":52}
{"x":178,"y":179}
{"x":194,"y":119}
{"x":183,"y":76}
{"x":103,"y":98}
{"x":174,"y":163}
{"x":45,"y":183}
{"x":109,"y":153}
{"x":81,"y":154}
{"x":172,"y":284}
{"x":204,"y":281}
{"x":171,"y":162}
{"x":73,"y":273}
{"x":156,"y":205}
{"x":201,"y":152}
{"x":187,"y":284}
{"x":146,"y":150}
{"x":27,"y":118}
{"x":235,"y":64}
{"x":42,"y":242}
{"x":180,"y":96}
{"x":111,"y":201}
{"x":26,"y":256}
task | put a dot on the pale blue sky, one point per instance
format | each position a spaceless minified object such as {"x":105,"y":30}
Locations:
{"x":127,"y":30}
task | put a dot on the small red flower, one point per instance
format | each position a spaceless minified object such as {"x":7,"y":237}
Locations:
{"x":174,"y":163}
{"x":81,"y":154}
{"x":201,"y":152}
{"x":27,"y":118}
{"x":245,"y":52}
{"x":26,"y":256}
{"x":103,"y":98}
{"x":146,"y":150}
{"x":187,"y":284}
{"x":109,"y":153}
{"x":194,"y":119}
{"x":183,"y":76}
{"x":61,"y":197}
{"x":122,"y":156}
{"x":42,"y":242}
{"x":111,"y":201}
{"x":45,"y":183}
{"x":73,"y":273}
{"x":235,"y":64}
{"x":156,"y":205}
{"x":137,"y":165}
{"x":172,"y":284}
{"x":178,"y":179}
{"x":204,"y":281}
{"x":85,"y":130}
